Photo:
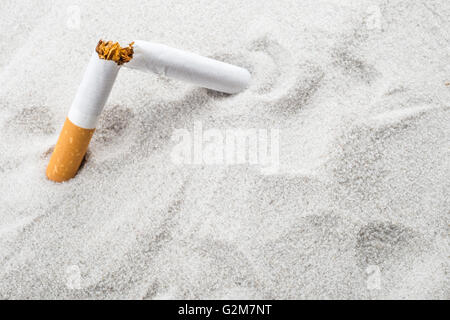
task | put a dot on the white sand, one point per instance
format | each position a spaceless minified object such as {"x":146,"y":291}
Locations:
{"x":359,"y":208}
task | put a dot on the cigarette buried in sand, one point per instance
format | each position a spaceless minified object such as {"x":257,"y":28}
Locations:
{"x":98,"y":81}
{"x":80,"y":123}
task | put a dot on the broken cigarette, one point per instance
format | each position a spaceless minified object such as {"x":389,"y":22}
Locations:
{"x":187,"y":66}
{"x":98,"y":81}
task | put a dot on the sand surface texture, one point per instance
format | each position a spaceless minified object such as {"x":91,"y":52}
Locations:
{"x":359,"y":207}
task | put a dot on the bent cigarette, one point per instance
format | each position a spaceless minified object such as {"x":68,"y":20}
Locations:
{"x":69,"y":151}
{"x":98,"y":81}
{"x":188,"y":66}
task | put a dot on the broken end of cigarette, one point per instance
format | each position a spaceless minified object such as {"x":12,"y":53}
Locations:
{"x":109,"y":50}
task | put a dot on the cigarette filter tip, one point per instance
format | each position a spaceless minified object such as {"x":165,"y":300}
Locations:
{"x":69,"y":151}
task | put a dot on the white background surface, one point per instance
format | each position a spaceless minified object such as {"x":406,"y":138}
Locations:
{"x":357,"y":89}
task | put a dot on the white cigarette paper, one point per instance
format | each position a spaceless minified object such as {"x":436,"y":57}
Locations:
{"x":93,"y":92}
{"x":187,"y":66}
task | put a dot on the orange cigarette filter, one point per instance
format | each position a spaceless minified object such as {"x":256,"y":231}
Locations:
{"x":91,"y":96}
{"x":69,"y":152}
